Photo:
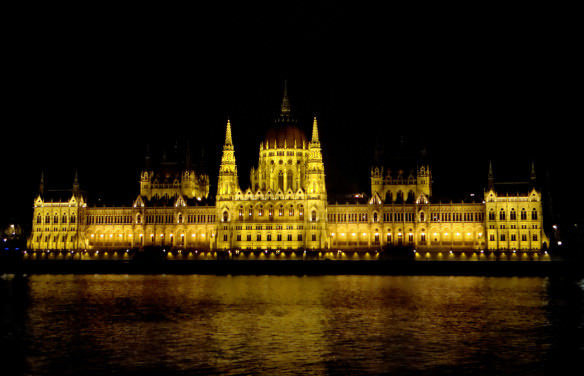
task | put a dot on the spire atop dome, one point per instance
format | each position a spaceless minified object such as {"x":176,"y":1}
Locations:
{"x":285,"y":108}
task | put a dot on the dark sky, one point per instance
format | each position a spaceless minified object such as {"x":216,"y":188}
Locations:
{"x":88,"y":88}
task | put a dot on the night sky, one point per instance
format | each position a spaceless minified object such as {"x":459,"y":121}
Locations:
{"x":87,"y":89}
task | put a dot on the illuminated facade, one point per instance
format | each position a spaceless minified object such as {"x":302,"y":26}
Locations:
{"x":285,"y":209}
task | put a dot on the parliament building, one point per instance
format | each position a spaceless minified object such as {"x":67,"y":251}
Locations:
{"x":285,"y":211}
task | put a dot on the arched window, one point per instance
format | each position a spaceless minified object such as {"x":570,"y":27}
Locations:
{"x":225,"y":216}
{"x":180,"y":218}
{"x":281,"y":180}
{"x":290,"y":179}
{"x":280,"y":211}
{"x":313,"y":216}
{"x":491,"y":215}
{"x":64,"y":219}
{"x":375,"y":217}
{"x":523,"y":214}
{"x":138,"y":218}
{"x":73,"y":218}
{"x":512,"y":215}
{"x":502,"y":215}
{"x":38,"y":219}
{"x":422,"y":217}
{"x":534,"y":214}
{"x":56,"y":219}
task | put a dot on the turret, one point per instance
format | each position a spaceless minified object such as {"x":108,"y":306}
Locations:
{"x":315,"y":168}
{"x":227,"y":184}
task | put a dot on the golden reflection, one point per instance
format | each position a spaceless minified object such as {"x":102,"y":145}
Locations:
{"x":284,"y":324}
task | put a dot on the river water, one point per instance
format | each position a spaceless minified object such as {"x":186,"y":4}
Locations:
{"x":291,"y":325}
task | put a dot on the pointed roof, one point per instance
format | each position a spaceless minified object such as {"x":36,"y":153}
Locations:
{"x":315,"y":130}
{"x":228,"y":140}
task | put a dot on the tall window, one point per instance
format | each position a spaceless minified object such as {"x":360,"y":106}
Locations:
{"x":534,"y":214}
{"x":290,"y":179}
{"x":491,"y":215}
{"x":313,"y":216}
{"x":502,"y":215}
{"x":512,"y":215}
{"x":281,"y":180}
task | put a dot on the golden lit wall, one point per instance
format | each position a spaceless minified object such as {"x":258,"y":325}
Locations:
{"x":514,"y":222}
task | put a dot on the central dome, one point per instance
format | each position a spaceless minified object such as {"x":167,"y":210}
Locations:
{"x":285,"y":136}
{"x":285,"y":133}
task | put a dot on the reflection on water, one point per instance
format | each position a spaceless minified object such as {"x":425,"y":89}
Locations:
{"x":201,"y":324}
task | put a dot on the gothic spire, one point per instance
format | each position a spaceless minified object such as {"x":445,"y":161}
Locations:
{"x":76,"y":184}
{"x":228,"y":140}
{"x":491,"y":177}
{"x":42,"y":184}
{"x":315,"y":130}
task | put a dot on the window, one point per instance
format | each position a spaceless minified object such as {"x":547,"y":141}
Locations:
{"x":299,"y":237}
{"x":281,"y":211}
{"x":259,"y":237}
{"x":513,"y":237}
{"x":238,"y":237}
{"x":279,"y":237}
{"x":374,"y":217}
{"x":313,"y":216}
{"x":491,"y":215}
{"x":289,"y":237}
{"x":502,"y":237}
{"x":512,"y":215}
{"x":534,"y":237}
{"x":224,"y":237}
{"x":534,"y":214}
{"x":523,"y":214}
{"x":502,"y":215}
{"x":269,"y":237}
{"x":313,"y":237}
{"x":248,"y":238}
